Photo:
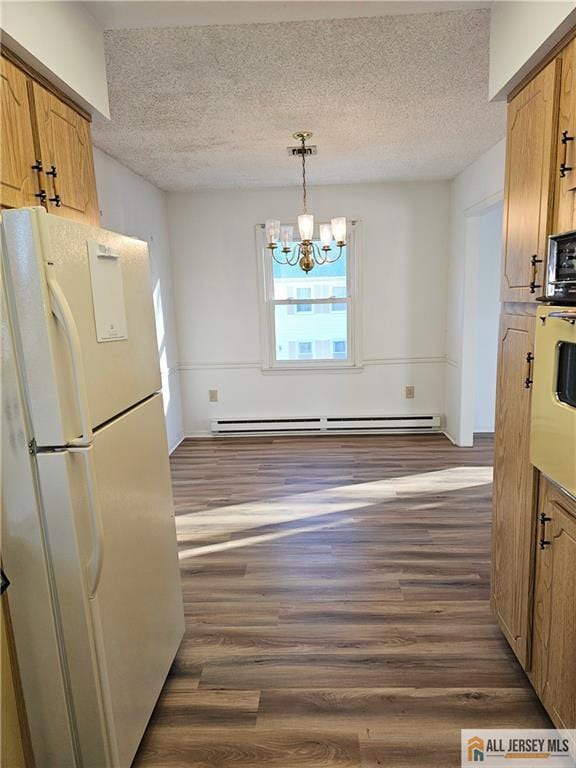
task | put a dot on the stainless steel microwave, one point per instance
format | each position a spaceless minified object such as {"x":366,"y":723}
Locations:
{"x":553,"y":422}
{"x":560,"y":286}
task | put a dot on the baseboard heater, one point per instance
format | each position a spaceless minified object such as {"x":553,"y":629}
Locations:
{"x":326,"y":424}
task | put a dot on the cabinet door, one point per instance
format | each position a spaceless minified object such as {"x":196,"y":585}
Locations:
{"x":565,"y":214}
{"x":554,"y":653}
{"x":65,"y":143}
{"x":18,"y":180}
{"x":529,"y":187}
{"x":514,"y":486}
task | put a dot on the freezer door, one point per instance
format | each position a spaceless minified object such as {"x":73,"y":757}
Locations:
{"x":99,"y":285}
{"x":126,"y":542}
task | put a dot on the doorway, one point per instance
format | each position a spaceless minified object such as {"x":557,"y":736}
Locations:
{"x":489,"y":231}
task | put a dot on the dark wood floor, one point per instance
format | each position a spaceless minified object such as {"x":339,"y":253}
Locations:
{"x":336,"y":595}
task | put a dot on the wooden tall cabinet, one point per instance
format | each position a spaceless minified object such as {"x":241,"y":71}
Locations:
{"x":45,"y":149}
{"x":530,"y":170}
{"x":18,"y":180}
{"x":534,"y":523}
{"x":514,"y":485}
{"x":554,"y":662}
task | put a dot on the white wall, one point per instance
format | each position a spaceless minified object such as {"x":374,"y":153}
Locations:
{"x":132,"y":206}
{"x":62,"y":41}
{"x":473,"y":192}
{"x":402,"y":263}
{"x":487,"y":316}
{"x":521,"y":34}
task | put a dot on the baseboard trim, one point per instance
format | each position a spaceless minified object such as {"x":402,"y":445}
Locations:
{"x":176,"y":444}
{"x":335,"y":433}
{"x":449,"y":436}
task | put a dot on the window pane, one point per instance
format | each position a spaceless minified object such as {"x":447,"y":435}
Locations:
{"x":310,"y":335}
{"x":321,"y":282}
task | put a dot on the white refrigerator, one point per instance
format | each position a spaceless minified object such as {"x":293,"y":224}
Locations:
{"x":88,"y":530}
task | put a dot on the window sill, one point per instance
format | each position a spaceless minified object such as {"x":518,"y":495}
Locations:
{"x":313,"y":368}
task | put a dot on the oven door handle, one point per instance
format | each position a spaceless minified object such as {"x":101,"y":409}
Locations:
{"x":569,"y":317}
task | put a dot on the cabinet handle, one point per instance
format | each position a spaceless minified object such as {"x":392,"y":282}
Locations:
{"x":544,"y":542}
{"x":528,"y":381}
{"x":56,"y":200}
{"x":41,"y":194}
{"x":534,"y":261}
{"x":564,"y":169}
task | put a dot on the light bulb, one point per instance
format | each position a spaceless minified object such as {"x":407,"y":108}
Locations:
{"x":326,"y":235}
{"x":306,"y":226}
{"x":286,"y":235}
{"x":272,"y":231}
{"x":339,"y":229}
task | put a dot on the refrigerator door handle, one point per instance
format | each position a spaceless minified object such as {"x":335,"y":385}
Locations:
{"x":63,"y":313}
{"x":94,"y":566}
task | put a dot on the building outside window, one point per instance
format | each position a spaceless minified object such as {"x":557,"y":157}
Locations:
{"x":339,"y":350}
{"x":303,"y":293}
{"x":309,"y":318}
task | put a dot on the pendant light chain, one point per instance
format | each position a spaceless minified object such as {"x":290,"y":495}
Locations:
{"x":304,"y":173}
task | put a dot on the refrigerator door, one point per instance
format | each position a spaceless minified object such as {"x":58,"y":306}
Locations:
{"x":31,"y":593}
{"x":83,"y":298}
{"x":124,"y":627}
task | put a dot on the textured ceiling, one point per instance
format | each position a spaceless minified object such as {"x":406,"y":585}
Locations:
{"x":388,"y":98}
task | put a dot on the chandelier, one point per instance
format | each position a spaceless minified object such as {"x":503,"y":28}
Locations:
{"x":305,"y":253}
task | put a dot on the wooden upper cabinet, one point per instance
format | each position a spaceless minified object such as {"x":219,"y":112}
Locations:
{"x":65,"y":144}
{"x":565,"y":187}
{"x":530,"y":173}
{"x":554,"y":650}
{"x":19,"y":182}
{"x":514,"y":486}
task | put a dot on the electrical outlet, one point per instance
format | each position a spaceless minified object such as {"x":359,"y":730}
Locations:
{"x":213,"y":395}
{"x":409,"y":392}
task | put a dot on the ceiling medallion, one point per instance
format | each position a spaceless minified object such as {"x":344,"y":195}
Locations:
{"x":305,"y":253}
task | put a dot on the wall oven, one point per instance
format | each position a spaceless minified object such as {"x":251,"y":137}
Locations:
{"x":553,"y":428}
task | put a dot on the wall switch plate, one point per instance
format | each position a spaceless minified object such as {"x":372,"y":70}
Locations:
{"x":212,"y":395}
{"x":409,"y":392}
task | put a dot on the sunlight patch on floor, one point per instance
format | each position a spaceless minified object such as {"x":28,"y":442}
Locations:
{"x":199,"y":526}
{"x":248,"y":541}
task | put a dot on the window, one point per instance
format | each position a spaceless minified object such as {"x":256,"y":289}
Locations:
{"x":309,"y":317}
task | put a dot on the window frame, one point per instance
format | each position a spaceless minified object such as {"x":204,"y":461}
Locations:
{"x":267,"y":311}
